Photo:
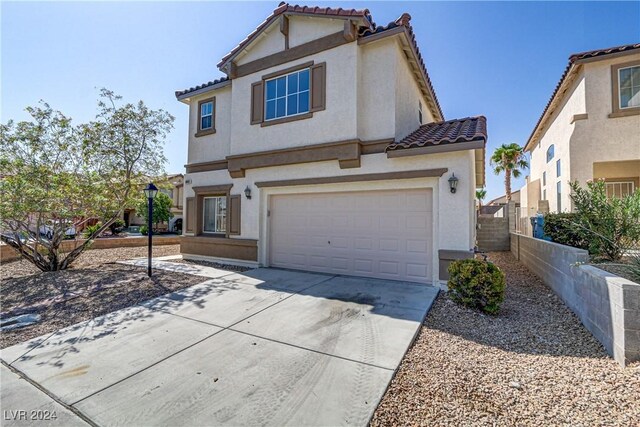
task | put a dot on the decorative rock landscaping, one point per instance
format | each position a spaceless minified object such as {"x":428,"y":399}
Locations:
{"x":532,"y":364}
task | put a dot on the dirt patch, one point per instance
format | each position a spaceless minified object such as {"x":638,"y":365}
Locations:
{"x":533,"y":364}
{"x":94,"y":287}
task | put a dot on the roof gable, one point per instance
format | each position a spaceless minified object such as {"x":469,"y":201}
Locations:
{"x":362,"y":17}
{"x":569,"y":72}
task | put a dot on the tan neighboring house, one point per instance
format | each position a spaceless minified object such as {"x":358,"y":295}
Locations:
{"x":175,"y":190}
{"x":589,"y":130}
{"x":324,"y":148}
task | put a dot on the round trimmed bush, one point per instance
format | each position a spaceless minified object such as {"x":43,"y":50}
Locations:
{"x":476,"y":284}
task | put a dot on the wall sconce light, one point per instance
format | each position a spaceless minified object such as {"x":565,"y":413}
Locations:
{"x":453,"y":183}
{"x":247,"y":192}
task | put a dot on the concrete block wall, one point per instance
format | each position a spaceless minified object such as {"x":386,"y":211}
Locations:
{"x":7,"y":253}
{"x":493,"y":234}
{"x":607,"y":305}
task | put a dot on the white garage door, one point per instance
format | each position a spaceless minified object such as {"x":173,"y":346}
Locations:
{"x":384,"y":234}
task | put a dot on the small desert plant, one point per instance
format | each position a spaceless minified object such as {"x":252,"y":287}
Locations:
{"x":477,"y":284}
{"x":89,"y":230}
{"x":563,"y":228}
{"x":144,"y":230}
{"x":612,"y":224}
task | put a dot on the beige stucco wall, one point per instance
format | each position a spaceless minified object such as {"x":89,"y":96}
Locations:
{"x":407,"y":95}
{"x":270,"y":41}
{"x":376,"y":101}
{"x":597,"y":138}
{"x":453,"y":227}
{"x":558,"y":133}
{"x":303,"y":29}
{"x":601,"y":138}
{"x":336,"y":123}
{"x":215,"y":146}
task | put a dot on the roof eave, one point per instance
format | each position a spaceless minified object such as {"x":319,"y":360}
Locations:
{"x":185,"y":97}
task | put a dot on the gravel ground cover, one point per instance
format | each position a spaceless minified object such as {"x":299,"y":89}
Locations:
{"x":71,"y":296}
{"x":533,"y":364}
{"x":90,"y":258}
{"x":96,"y":285}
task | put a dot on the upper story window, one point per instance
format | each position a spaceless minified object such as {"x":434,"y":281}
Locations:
{"x":544,"y":178}
{"x":206,"y":117}
{"x":287,"y":95}
{"x":420,"y":112}
{"x":625,"y":91}
{"x":550,"y":152}
{"x":558,"y":168}
{"x":629,"y":87}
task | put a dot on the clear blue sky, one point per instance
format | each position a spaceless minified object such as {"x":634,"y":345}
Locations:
{"x":499,"y":59}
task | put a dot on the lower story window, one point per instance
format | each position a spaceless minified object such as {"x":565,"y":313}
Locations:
{"x":215,"y":214}
{"x":619,"y":189}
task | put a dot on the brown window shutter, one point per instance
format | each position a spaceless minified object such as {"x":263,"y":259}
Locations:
{"x":234,"y":213}
{"x":318,"y":87}
{"x":257,"y":102}
{"x":190,"y":214}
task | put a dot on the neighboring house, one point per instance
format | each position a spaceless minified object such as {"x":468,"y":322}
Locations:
{"x":175,"y":190}
{"x":325,"y":149}
{"x":496,"y":206}
{"x":589,"y":130}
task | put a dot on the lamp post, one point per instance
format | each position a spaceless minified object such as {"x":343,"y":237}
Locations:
{"x":150,"y":192}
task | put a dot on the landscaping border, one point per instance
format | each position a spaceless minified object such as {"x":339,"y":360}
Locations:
{"x":607,"y":305}
{"x":7,"y":253}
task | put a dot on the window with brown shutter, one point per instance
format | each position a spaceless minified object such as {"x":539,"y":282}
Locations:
{"x":289,"y":103}
{"x":190,"y":214}
{"x":234,"y":214}
{"x":257,"y":102}
{"x":318,"y":87}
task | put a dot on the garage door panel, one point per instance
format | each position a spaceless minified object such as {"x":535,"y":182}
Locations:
{"x":384,"y":234}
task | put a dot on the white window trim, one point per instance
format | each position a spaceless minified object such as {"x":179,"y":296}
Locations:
{"x":286,"y":96}
{"x":202,"y":116}
{"x":620,"y":88}
{"x":612,"y":183}
{"x":204,"y":209}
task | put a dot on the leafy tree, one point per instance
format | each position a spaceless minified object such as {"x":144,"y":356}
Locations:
{"x":161,"y":209}
{"x":480,"y":195}
{"x":57,"y":176}
{"x":510,"y":159}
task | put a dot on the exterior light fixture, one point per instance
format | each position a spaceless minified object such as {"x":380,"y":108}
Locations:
{"x":150,"y":193}
{"x":247,"y":192}
{"x":453,"y":183}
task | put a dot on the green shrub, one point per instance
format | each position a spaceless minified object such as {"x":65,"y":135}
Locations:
{"x":89,"y":230}
{"x":117,"y":226}
{"x":564,"y":228}
{"x":476,"y":284}
{"x":612,"y":224}
{"x":144,"y":230}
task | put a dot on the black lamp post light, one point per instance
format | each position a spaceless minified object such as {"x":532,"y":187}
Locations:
{"x":453,"y":182}
{"x":150,"y":192}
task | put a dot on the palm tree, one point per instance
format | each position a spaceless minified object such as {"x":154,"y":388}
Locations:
{"x":509,"y":158}
{"x":480,"y":195}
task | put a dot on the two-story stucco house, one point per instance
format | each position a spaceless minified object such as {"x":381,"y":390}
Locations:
{"x":325,"y":149}
{"x":589,"y":130}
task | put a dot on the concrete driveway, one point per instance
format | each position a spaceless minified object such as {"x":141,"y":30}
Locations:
{"x":263,"y":347}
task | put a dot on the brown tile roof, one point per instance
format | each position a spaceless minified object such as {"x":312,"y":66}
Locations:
{"x":285,"y":8}
{"x":449,"y":132}
{"x":405,"y":21}
{"x":180,"y":93}
{"x":572,"y":60}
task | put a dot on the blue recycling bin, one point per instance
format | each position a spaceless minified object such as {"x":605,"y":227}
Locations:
{"x":537,"y":224}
